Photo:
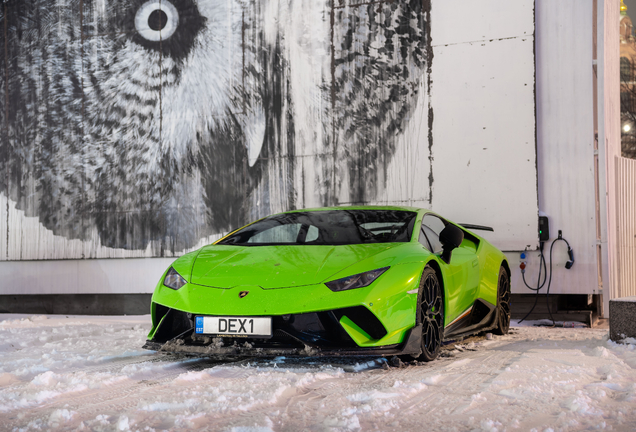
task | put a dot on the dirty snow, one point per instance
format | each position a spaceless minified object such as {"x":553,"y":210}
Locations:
{"x":89,"y":373}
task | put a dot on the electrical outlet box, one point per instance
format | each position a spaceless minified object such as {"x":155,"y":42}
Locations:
{"x":544,"y":228}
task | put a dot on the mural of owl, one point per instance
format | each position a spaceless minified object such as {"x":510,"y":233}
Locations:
{"x":156,"y":123}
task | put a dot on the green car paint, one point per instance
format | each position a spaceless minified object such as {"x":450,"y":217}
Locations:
{"x":290,"y":279}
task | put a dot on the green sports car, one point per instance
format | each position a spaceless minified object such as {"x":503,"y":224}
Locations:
{"x":333,"y":281}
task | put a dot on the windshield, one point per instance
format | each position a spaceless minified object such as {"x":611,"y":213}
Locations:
{"x":329,"y":227}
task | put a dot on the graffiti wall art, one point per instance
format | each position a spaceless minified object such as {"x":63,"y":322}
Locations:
{"x":153,"y":124}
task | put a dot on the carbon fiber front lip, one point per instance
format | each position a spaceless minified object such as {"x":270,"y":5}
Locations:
{"x":411,"y":346}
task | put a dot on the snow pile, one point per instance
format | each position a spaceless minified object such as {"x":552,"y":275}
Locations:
{"x":89,"y":373}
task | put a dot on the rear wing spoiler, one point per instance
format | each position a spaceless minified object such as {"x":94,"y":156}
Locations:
{"x":476,"y":227}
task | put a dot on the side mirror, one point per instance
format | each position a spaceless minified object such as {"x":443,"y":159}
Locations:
{"x":451,"y":237}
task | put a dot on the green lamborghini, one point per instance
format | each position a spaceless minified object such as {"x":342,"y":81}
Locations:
{"x":333,"y":281}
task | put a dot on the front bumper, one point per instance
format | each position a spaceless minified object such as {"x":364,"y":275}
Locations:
{"x":391,"y":300}
{"x":324,"y":333}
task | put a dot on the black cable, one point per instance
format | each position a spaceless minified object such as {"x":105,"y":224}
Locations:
{"x":536,"y":299}
{"x":539,"y":286}
{"x":547,"y":293}
{"x":545,"y":276}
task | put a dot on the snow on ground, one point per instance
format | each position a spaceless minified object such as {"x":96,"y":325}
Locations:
{"x":89,"y":373}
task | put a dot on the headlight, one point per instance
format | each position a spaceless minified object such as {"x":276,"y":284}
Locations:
{"x":356,"y":281}
{"x":173,"y":279}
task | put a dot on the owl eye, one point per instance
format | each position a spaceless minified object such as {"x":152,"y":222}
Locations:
{"x":156,"y":20}
{"x":169,"y":26}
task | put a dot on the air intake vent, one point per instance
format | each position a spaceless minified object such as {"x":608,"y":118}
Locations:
{"x":365,"y":319}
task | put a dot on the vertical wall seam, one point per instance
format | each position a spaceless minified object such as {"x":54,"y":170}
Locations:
{"x":83,"y":175}
{"x":245,"y":156}
{"x":6,"y":69}
{"x":162,"y":252}
{"x":6,"y":108}
{"x":426,"y":4}
{"x":619,"y":284}
{"x":334,"y":140}
{"x":534,"y":90}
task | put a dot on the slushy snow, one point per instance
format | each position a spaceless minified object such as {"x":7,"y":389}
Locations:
{"x":90,"y":373}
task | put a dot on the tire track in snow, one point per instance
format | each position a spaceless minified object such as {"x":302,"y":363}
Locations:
{"x":471,"y":371}
{"x":461,"y":378}
{"x":124,"y":394}
{"x":108,"y":366}
{"x":305,"y":406}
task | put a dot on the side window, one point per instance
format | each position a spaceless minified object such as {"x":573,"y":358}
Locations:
{"x":424,"y":241}
{"x":432,"y":226}
{"x":312,"y":234}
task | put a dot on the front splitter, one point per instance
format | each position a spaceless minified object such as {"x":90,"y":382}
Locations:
{"x":412,"y":346}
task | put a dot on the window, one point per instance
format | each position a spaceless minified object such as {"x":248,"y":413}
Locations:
{"x":277,"y":234}
{"x":312,"y":234}
{"x":431,"y":227}
{"x":434,"y":223}
{"x":424,"y":241}
{"x":330,"y":227}
{"x":626,"y":70}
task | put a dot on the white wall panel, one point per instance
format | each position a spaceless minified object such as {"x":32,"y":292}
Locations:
{"x":98,"y":276}
{"x":483,"y":150}
{"x":458,"y":22}
{"x":565,"y":142}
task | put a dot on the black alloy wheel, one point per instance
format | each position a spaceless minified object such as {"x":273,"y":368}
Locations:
{"x":430,"y":313}
{"x":503,"y":303}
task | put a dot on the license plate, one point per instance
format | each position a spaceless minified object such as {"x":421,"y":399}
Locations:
{"x":233,"y":326}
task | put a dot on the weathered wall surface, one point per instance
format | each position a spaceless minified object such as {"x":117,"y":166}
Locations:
{"x":133,"y":132}
{"x":483,"y":133}
{"x":565,"y":143}
{"x":146,"y":125}
{"x":577,"y":60}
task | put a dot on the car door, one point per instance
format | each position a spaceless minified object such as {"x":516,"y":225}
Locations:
{"x":461,"y":282}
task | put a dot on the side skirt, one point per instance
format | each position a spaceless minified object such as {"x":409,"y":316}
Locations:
{"x":481,"y":316}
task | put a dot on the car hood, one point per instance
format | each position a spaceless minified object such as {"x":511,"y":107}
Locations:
{"x":270,"y":267}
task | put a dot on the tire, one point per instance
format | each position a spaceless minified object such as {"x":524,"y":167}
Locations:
{"x":503,"y":303}
{"x":430,"y":313}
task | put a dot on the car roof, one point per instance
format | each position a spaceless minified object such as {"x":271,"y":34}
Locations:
{"x":361,"y":207}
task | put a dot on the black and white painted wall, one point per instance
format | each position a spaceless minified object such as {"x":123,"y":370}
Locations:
{"x":156,"y":123}
{"x":135,"y":128}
